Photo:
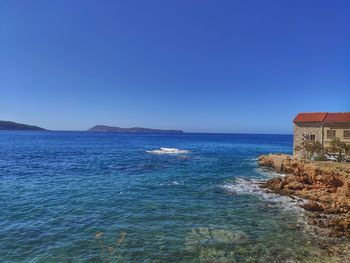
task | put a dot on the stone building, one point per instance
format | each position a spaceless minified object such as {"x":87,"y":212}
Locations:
{"x":322,"y":127}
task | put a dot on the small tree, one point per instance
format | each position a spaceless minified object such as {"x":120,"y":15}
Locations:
{"x":338,"y":147}
{"x":347,"y":150}
{"x":298,"y":148}
{"x":312,"y":148}
{"x":309,"y":148}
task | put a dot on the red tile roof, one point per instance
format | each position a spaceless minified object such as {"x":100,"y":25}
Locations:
{"x":339,"y":117}
{"x":310,"y":117}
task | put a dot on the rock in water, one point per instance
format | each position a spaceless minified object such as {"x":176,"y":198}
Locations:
{"x":325,"y":184}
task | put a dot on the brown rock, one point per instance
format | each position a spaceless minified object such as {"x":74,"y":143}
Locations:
{"x":326,"y":185}
{"x":295,"y":186}
{"x":312,"y":206}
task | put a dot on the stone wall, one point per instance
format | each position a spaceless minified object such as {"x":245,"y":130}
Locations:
{"x":339,"y":132}
{"x":305,"y":128}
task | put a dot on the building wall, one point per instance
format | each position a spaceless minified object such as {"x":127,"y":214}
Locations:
{"x":339,"y":132}
{"x":305,"y":128}
{"x":316,"y":129}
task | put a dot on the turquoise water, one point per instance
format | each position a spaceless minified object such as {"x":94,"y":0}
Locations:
{"x":58,"y":189}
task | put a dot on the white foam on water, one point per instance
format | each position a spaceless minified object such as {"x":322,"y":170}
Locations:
{"x":250,"y":162}
{"x":172,"y":183}
{"x":269,"y":172}
{"x":243,"y":186}
{"x":287,"y":204}
{"x":164,"y":150}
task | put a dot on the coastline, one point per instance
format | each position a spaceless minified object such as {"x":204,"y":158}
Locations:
{"x":325,"y":186}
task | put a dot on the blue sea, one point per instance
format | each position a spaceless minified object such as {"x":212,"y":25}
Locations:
{"x":109,"y":197}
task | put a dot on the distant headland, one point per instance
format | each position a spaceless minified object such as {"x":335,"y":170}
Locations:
{"x":104,"y":128}
{"x":10,"y":125}
{"x":15,"y":126}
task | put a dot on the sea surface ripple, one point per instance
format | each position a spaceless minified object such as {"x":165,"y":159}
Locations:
{"x":177,"y":198}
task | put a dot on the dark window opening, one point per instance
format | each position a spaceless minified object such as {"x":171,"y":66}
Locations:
{"x":306,"y":137}
{"x":330,"y":134}
{"x":346,"y":134}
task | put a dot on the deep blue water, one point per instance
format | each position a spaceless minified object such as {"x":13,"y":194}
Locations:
{"x":58,"y":189}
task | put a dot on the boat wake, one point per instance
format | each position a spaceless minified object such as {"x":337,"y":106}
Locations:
{"x":164,"y":150}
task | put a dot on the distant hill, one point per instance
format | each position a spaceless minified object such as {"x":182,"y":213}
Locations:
{"x":104,"y":128}
{"x":10,"y":125}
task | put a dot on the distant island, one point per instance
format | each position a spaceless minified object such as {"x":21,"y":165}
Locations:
{"x":10,"y":125}
{"x":104,"y":128}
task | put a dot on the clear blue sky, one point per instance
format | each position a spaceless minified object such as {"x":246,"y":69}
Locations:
{"x":209,"y":66}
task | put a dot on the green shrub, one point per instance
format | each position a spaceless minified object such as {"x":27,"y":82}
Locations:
{"x":320,"y":157}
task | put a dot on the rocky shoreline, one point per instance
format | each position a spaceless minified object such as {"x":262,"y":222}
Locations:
{"x":325,"y":186}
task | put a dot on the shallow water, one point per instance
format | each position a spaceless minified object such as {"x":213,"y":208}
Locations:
{"x":58,"y":189}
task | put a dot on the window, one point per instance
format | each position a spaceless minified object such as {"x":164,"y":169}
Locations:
{"x":306,"y":137}
{"x":309,"y":137}
{"x":346,"y":134}
{"x":330,"y":134}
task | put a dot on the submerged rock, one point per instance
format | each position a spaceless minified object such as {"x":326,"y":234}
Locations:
{"x":215,"y":236}
{"x":232,"y":245}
